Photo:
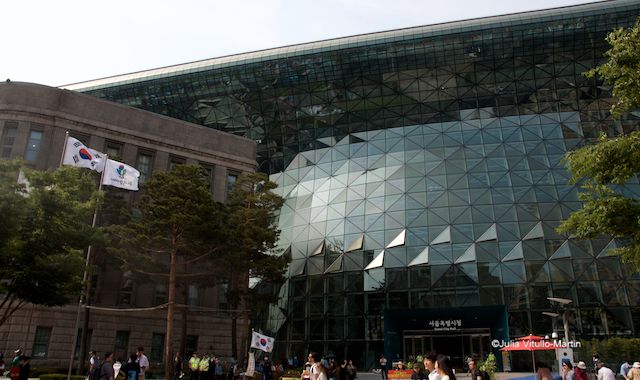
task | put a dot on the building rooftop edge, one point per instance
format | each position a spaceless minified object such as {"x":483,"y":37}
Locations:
{"x":368,"y":38}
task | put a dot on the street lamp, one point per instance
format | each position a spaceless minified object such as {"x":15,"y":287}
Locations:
{"x":565,"y":317}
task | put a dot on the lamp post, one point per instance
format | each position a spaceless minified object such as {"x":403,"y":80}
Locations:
{"x":565,"y":315}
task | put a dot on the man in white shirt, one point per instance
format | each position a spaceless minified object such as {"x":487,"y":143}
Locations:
{"x":142,"y":361}
{"x":429,"y":362}
{"x":605,"y":373}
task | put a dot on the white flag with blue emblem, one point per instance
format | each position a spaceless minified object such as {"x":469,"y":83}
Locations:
{"x":261,"y":342}
{"x":79,"y":155}
{"x":120,"y":175}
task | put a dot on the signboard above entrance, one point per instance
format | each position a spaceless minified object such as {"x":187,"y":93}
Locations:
{"x":445,"y":324}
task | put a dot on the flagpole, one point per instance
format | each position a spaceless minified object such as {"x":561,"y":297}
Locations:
{"x":64,"y":147}
{"x":85,"y":295}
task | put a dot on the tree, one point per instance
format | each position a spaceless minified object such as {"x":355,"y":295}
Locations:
{"x":251,"y":235}
{"x":175,"y":222}
{"x":43,"y":231}
{"x":622,"y":70}
{"x":602,"y":169}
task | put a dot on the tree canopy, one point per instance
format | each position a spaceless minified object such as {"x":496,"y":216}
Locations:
{"x":44,"y":229}
{"x":603,"y":169}
{"x":622,"y":70}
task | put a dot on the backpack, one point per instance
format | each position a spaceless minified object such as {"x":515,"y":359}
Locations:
{"x":95,"y":375}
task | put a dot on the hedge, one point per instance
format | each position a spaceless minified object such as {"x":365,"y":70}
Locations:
{"x":59,"y":376}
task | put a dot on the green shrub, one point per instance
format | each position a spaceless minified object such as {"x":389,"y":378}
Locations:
{"x":489,"y":365}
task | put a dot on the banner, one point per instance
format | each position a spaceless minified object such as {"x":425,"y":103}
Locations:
{"x":261,"y":342}
{"x":120,"y":175}
{"x":78,"y":155}
{"x":251,"y":365}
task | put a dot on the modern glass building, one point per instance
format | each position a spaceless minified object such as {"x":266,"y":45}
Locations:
{"x":423,"y":176}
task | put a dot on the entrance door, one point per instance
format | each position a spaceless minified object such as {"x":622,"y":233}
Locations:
{"x":456,"y":344}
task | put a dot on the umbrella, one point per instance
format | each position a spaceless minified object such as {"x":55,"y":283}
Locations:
{"x":529,"y":343}
{"x":530,"y":337}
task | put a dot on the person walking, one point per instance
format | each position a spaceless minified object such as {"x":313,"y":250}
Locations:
{"x":604,"y":372}
{"x":143,"y":361}
{"x":417,"y":373}
{"x":429,"y":362}
{"x":443,"y":366}
{"x":634,"y":372}
{"x":177,"y":366}
{"x":580,"y":371}
{"x":131,"y":369}
{"x":384,"y":372}
{"x":106,"y":370}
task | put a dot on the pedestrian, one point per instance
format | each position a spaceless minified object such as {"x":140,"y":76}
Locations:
{"x":474,"y":371}
{"x":544,"y":372}
{"x":624,"y":368}
{"x":332,"y":372}
{"x":604,"y":372}
{"x":314,"y":361}
{"x":131,"y":369}
{"x":14,"y":370}
{"x":567,"y":371}
{"x":352,"y":371}
{"x":266,"y":369}
{"x":580,"y":371}
{"x":177,"y":366}
{"x":1,"y":364}
{"x":143,"y":361}
{"x":322,"y":372}
{"x":443,"y":366}
{"x":94,"y":362}
{"x":203,"y":366}
{"x":417,"y":372}
{"x":194,"y":364}
{"x":383,"y":367}
{"x":595,"y":358}
{"x":106,"y":370}
{"x":429,"y":362}
{"x":117,"y":373}
{"x":634,"y":372}
{"x":217,"y":370}
{"x":25,"y":367}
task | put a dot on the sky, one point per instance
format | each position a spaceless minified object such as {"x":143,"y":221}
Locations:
{"x":67,"y":41}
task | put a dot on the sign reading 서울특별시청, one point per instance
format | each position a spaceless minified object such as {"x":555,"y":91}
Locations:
{"x":445,"y":324}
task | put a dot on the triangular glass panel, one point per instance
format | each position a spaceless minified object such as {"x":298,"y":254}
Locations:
{"x":377,"y":261}
{"x":515,"y":254}
{"x":605,"y":251}
{"x":356,"y":245}
{"x":422,"y":258}
{"x":443,"y":237}
{"x":535,"y":233}
{"x":564,"y":251}
{"x":468,"y":255}
{"x":398,"y":240}
{"x":471,"y":270}
{"x":336,"y":266}
{"x":297,"y":267}
{"x":319,"y":249}
{"x":489,"y":235}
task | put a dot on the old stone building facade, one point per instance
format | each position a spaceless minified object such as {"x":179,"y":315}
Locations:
{"x":33,"y":123}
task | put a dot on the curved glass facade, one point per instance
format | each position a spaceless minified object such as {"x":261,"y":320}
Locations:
{"x":422,"y":169}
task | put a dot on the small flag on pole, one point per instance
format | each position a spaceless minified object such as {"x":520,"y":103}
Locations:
{"x":78,"y":155}
{"x":120,"y":175}
{"x":261,"y":342}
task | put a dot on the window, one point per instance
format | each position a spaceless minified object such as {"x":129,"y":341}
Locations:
{"x":209,"y":172}
{"x":160,"y":294}
{"x":194,"y":296}
{"x":232,"y":178}
{"x":125,"y":296}
{"x":8,"y":138}
{"x":113,"y":150}
{"x":223,"y":303}
{"x":121,"y":348}
{"x":191,"y":344}
{"x":33,"y":146}
{"x":175,"y":161}
{"x":144,"y":166}
{"x":41,"y":342}
{"x":157,"y":347}
{"x":76,"y":354}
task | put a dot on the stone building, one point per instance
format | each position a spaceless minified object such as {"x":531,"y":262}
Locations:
{"x":33,"y":122}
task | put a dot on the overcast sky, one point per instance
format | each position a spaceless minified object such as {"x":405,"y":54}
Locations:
{"x":58,"y":42}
